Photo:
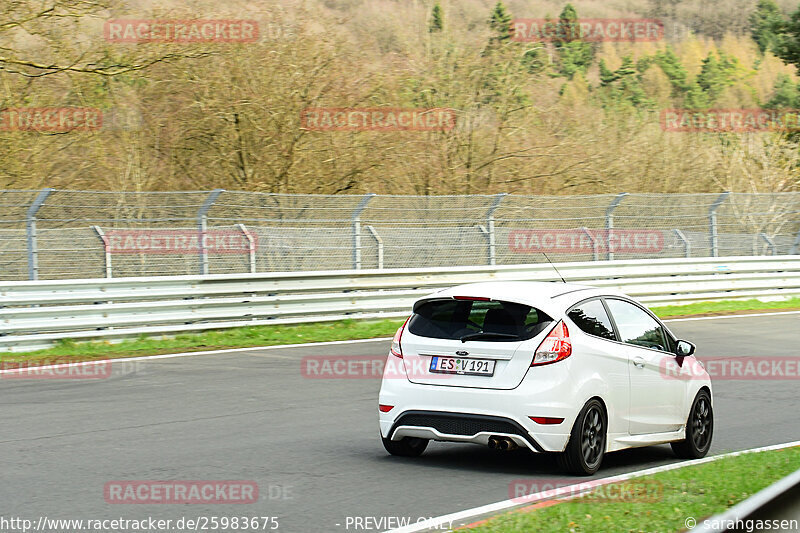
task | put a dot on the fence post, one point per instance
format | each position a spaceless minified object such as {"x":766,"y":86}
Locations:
{"x":251,"y":246}
{"x":379,"y":243}
{"x":30,"y":231}
{"x":490,"y":227}
{"x":772,"y":248}
{"x":202,"y":224}
{"x":687,"y":247}
{"x":106,"y":250}
{"x":795,"y":245}
{"x":712,"y":223}
{"x":355,"y":221}
{"x":610,"y":222}
{"x":595,"y":250}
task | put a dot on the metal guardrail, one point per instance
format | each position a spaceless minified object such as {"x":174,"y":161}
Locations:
{"x":35,"y":314}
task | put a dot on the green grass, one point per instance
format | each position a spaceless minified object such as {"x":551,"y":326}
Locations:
{"x":317,"y":332}
{"x":725,"y":306}
{"x":217,"y":339}
{"x":695,"y":491}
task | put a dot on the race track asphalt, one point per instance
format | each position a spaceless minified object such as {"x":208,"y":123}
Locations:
{"x":311,"y":445}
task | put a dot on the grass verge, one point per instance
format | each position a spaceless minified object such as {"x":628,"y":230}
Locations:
{"x":695,"y":491}
{"x":316,"y":332}
{"x":214,"y":340}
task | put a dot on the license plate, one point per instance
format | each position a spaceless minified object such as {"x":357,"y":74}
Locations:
{"x":467,"y":367}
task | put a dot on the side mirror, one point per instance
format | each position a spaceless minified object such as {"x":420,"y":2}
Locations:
{"x":684,"y":348}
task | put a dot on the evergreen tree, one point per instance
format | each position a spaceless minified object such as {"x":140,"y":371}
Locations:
{"x":627,"y":68}
{"x":500,"y":24}
{"x":574,"y":54}
{"x":533,"y":61}
{"x":788,"y":40}
{"x":607,"y":76}
{"x":671,"y":65}
{"x":766,"y":25}
{"x":716,"y":74}
{"x":696,"y":98}
{"x":437,"y":19}
{"x":786,"y":95}
{"x":624,"y":88}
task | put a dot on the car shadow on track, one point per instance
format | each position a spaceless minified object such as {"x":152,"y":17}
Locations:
{"x":523,"y":462}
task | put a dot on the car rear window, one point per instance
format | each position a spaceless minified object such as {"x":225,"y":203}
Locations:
{"x":453,"y":319}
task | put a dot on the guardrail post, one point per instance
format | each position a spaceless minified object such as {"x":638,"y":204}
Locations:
{"x":490,"y":227}
{"x":687,"y":246}
{"x":202,"y":224}
{"x":379,"y":243}
{"x":251,"y":246}
{"x":712,"y":223}
{"x":30,"y":231}
{"x":355,"y":221}
{"x":610,"y":222}
{"x":772,"y":248}
{"x":595,"y":250}
{"x":106,"y":249}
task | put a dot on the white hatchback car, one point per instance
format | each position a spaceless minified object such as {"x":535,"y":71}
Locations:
{"x":549,"y":366}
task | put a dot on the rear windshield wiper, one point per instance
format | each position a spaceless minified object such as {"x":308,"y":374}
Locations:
{"x":487,"y":335}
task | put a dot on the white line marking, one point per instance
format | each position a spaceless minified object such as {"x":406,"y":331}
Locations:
{"x":552,"y":493}
{"x":183,"y":354}
{"x":730,"y":316}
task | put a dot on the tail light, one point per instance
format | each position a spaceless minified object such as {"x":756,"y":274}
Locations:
{"x":554,"y":347}
{"x":397,"y":349}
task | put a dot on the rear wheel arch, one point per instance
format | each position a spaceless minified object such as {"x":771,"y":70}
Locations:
{"x":708,"y":390}
{"x":583,"y":454}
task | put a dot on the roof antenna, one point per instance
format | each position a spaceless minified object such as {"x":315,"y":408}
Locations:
{"x":554,"y":267}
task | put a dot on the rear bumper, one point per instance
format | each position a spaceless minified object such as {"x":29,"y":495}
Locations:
{"x":460,"y":414}
{"x":460,"y":427}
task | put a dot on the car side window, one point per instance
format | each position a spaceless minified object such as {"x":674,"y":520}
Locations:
{"x":592,"y":318}
{"x":635,"y":326}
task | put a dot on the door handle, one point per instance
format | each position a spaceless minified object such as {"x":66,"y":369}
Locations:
{"x":638,"y":362}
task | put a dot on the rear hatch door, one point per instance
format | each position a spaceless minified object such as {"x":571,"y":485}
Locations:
{"x":472,"y":342}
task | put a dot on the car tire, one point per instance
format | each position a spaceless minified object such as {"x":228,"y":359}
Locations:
{"x":699,"y":429}
{"x":587,"y":441}
{"x":405,"y":447}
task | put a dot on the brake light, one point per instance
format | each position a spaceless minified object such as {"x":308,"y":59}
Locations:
{"x":554,"y":347}
{"x":472,"y":298}
{"x":397,"y":349}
